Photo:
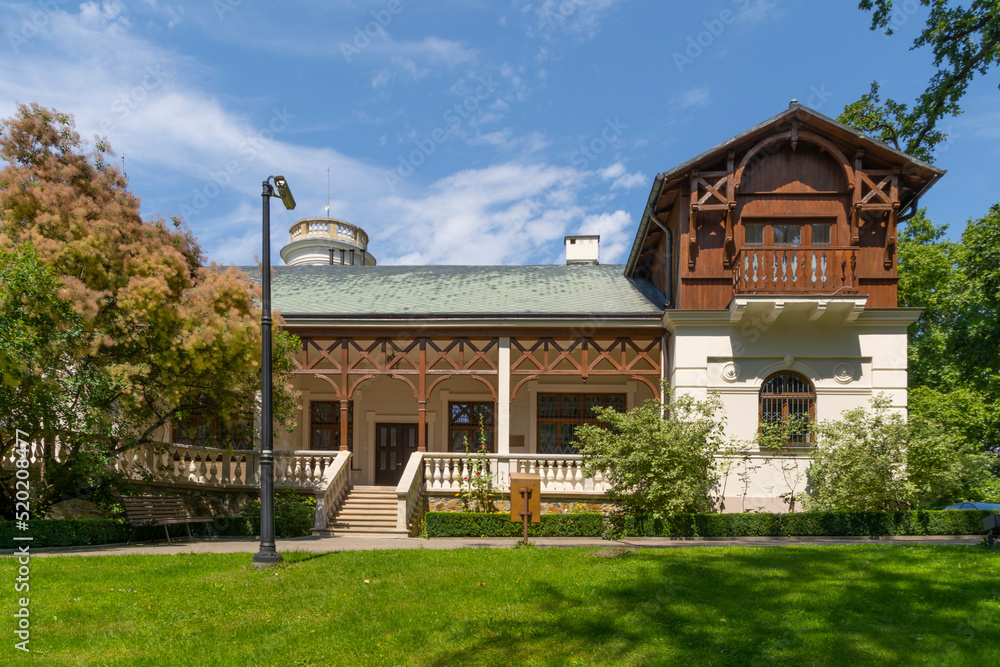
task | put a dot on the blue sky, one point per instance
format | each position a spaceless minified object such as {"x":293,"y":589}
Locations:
{"x":461,"y":131}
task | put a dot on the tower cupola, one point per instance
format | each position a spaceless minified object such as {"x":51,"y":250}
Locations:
{"x":326,"y":241}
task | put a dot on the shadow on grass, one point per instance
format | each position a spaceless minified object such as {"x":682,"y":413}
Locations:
{"x":846,"y":605}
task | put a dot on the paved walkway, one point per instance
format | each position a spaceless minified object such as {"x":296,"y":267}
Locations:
{"x":363,"y":543}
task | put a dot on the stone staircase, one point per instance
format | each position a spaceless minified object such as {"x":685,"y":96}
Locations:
{"x":366,"y":510}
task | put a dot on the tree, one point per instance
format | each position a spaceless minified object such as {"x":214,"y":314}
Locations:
{"x":954,"y":346}
{"x":875,"y":460}
{"x":658,"y":457}
{"x":40,"y":335}
{"x":164,"y":336}
{"x":965,"y":41}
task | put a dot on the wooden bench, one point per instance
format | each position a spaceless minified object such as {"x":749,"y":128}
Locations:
{"x":159,"y":511}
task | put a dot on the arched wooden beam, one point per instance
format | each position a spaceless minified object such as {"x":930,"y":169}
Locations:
{"x":436,"y":382}
{"x":493,"y":392}
{"x":513,"y":393}
{"x":413,"y":387}
{"x":354,"y":387}
{"x":333,"y":384}
{"x":805,"y":136}
{"x":655,"y":389}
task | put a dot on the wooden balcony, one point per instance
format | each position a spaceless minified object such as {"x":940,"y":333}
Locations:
{"x":795,"y":270}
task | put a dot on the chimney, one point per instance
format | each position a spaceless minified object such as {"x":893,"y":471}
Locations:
{"x":582,"y":250}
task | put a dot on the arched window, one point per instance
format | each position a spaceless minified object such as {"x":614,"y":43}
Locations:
{"x":787,"y":395}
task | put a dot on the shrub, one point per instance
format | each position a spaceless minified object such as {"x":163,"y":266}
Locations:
{"x":874,"y":460}
{"x":800,"y":524}
{"x":658,"y":457}
{"x":465,"y":524}
{"x":294,"y":516}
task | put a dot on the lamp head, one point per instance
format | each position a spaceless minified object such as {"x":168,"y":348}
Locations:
{"x":284,"y":193}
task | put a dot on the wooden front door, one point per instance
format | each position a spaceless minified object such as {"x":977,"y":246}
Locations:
{"x":393,"y":445}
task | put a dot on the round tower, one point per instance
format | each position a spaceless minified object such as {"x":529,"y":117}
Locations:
{"x":324,"y":241}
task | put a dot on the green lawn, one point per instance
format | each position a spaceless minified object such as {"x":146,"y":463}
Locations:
{"x":741,"y":606}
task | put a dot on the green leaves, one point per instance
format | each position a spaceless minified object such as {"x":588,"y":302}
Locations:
{"x":965,"y":41}
{"x":874,"y":460}
{"x":658,"y":457}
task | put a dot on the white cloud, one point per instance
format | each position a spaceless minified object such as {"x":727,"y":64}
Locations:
{"x":621,"y":179}
{"x":134,"y":93}
{"x":190,"y":152}
{"x":500,"y":214}
{"x":615,"y":230}
{"x":693,"y":98}
{"x":430,"y":50}
{"x":759,"y":11}
{"x":579,"y":18}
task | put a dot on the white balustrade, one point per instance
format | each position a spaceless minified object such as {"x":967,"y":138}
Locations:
{"x":408,"y":491}
{"x":332,"y":488}
{"x":560,"y":473}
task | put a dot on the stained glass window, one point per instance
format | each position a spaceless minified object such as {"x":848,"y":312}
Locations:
{"x":560,"y":414}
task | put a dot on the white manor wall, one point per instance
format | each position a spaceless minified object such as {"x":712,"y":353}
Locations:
{"x":849,"y":357}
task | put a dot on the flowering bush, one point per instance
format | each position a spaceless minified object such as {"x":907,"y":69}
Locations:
{"x":476,"y":485}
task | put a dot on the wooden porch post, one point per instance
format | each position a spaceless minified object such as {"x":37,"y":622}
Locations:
{"x":421,"y":426}
{"x":343,"y":424}
{"x":503,"y":396}
{"x":422,"y":401}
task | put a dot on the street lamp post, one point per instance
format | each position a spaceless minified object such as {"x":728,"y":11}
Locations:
{"x":268,"y":555}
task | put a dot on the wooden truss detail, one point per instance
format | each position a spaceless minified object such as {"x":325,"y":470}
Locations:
{"x":420,"y":363}
{"x":586,"y":357}
{"x":713,"y":191}
{"x":424,"y":363}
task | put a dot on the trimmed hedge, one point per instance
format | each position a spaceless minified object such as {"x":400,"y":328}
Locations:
{"x":293,"y":518}
{"x":800,"y":524}
{"x":67,"y":532}
{"x":804,"y":524}
{"x":468,"y":524}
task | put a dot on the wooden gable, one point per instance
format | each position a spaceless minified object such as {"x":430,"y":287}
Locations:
{"x":800,"y":204}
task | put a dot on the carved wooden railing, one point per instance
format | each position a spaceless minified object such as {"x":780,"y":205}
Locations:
{"x":795,"y":270}
{"x":560,"y":473}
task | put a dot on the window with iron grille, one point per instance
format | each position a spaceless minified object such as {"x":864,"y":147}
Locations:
{"x":324,"y":425}
{"x":787,"y":395}
{"x":560,"y":414}
{"x":469,"y":422}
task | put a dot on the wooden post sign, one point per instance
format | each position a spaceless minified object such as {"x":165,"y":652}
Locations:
{"x":525,"y":499}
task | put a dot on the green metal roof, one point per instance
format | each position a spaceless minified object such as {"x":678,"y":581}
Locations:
{"x":460,"y":291}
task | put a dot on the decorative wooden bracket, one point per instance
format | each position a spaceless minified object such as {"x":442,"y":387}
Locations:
{"x":875,"y":190}
{"x":712,"y":191}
